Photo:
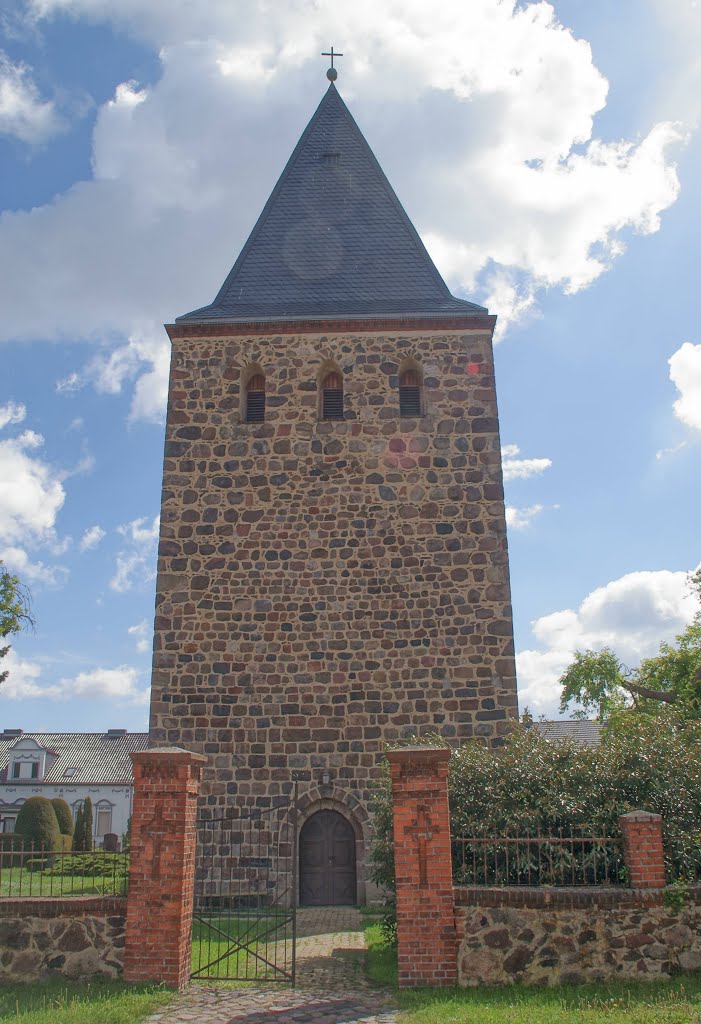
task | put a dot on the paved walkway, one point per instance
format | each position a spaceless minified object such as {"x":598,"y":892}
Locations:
{"x":331,"y":984}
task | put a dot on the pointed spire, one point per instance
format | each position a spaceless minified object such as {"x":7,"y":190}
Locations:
{"x":333,"y":240}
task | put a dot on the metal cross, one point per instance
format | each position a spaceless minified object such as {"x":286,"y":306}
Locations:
{"x":332,"y":55}
{"x":420,"y":830}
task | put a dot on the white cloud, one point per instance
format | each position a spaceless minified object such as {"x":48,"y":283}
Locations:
{"x":521,"y":518}
{"x":136,"y":562}
{"x":12,"y":413}
{"x":685,"y":374}
{"x":23,"y":114}
{"x":118,"y":684}
{"x":182,"y":167}
{"x":515,"y":468}
{"x":69,"y":385}
{"x":91,"y":538}
{"x":145,"y":358}
{"x":33,"y":572}
{"x":31,"y":492}
{"x":632,"y":615}
{"x":141,"y":633}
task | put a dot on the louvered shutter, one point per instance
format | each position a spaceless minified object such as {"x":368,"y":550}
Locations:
{"x":332,"y":397}
{"x":409,"y":394}
{"x":255,"y":399}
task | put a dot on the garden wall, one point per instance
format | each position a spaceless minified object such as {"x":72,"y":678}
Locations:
{"x":548,"y":937}
{"x":77,"y":937}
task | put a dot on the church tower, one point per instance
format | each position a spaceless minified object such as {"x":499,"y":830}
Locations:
{"x":333,"y":571}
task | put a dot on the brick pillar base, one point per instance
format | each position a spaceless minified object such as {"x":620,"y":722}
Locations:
{"x":643,"y":851}
{"x":425,"y":909}
{"x":162,"y":866}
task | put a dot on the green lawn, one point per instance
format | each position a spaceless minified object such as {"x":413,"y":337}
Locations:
{"x":79,"y":874}
{"x":63,"y":1002}
{"x":670,"y":1002}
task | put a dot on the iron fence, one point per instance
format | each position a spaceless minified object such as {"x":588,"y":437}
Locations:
{"x":31,"y":869}
{"x":574,"y":857}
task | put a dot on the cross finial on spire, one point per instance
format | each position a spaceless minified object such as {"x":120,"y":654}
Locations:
{"x":332,"y":73}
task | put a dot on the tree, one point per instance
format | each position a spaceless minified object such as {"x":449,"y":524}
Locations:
{"x":82,"y":836}
{"x":15,"y":610}
{"x":599,"y":682}
{"x":37,"y":824}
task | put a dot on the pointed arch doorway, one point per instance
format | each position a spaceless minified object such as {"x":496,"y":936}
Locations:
{"x":327,"y":872}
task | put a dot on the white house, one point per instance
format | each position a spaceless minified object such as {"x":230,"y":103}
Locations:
{"x":71,"y":765}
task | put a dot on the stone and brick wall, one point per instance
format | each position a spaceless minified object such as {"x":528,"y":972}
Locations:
{"x":77,"y":938}
{"x":542,"y":937}
{"x":327,"y":587}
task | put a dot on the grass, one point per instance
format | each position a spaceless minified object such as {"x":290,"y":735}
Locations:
{"x":663,"y":1002}
{"x":74,"y":874}
{"x":64,"y":1002}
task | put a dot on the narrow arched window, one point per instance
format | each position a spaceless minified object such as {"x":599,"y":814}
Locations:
{"x":332,"y":396}
{"x":410,"y":393}
{"x":255,"y":399}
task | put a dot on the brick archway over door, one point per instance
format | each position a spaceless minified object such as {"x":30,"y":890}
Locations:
{"x":327,"y":872}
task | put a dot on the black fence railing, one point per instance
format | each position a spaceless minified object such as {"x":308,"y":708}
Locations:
{"x":574,"y":858}
{"x":32,"y":870}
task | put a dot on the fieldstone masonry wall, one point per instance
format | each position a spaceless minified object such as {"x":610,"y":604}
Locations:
{"x":75,"y":938}
{"x":551,"y":938}
{"x":327,"y":587}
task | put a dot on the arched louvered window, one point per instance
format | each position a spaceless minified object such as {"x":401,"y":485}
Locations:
{"x":332,"y":396}
{"x":410,"y":393}
{"x":255,"y":399}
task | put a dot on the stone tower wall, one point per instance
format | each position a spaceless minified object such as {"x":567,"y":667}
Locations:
{"x":326,"y":587}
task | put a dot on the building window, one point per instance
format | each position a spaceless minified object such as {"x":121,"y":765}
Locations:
{"x":35,"y":769}
{"x":410,"y":393}
{"x":332,"y":396}
{"x":8,"y":824}
{"x":16,"y":770}
{"x":255,"y":399}
{"x":104,"y":820}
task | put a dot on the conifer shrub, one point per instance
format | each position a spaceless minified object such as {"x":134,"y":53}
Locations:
{"x":82,"y":836}
{"x":37,"y":824}
{"x":63,"y":816}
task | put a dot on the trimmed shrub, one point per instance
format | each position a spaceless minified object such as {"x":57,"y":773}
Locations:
{"x":63,"y":816}
{"x":82,"y":837}
{"x":37,"y":823}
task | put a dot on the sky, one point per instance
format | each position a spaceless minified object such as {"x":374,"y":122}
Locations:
{"x":548,"y":154}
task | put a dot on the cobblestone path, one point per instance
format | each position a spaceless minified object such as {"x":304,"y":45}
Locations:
{"x":331,"y":985}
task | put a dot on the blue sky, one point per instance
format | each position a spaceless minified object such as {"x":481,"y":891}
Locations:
{"x":548,"y":154}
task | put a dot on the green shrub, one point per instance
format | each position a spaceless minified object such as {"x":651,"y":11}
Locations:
{"x":91,"y":865}
{"x":82,"y":837}
{"x":538,"y":785}
{"x":37,"y":823}
{"x":63,"y":816}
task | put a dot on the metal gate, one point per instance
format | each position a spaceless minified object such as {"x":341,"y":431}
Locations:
{"x":244,"y":926}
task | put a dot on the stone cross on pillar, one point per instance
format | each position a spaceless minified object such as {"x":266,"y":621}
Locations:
{"x":162,"y":866}
{"x":427,"y":941}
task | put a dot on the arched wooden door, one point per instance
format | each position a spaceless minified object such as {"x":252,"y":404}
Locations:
{"x":327,"y":861}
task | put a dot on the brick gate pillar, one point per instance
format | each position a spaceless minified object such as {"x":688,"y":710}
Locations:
{"x":162,"y":866}
{"x":423,"y":866}
{"x":643,"y":851}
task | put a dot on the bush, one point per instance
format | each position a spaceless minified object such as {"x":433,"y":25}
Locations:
{"x":82,"y":837}
{"x":63,"y":816}
{"x":533,"y":784}
{"x":37,"y":823}
{"x":91,"y":865}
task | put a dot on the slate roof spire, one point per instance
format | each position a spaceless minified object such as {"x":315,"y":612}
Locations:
{"x":333,"y":240}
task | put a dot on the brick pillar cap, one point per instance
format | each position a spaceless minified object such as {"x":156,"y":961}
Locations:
{"x":419,"y":755}
{"x":175,"y":755}
{"x":640,"y":816}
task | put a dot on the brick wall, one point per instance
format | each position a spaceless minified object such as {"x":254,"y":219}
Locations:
{"x":642,"y":849}
{"x":326,"y":587}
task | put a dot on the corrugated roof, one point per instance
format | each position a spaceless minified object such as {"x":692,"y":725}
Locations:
{"x":333,"y":240}
{"x":580,"y":730}
{"x":97,"y":757}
